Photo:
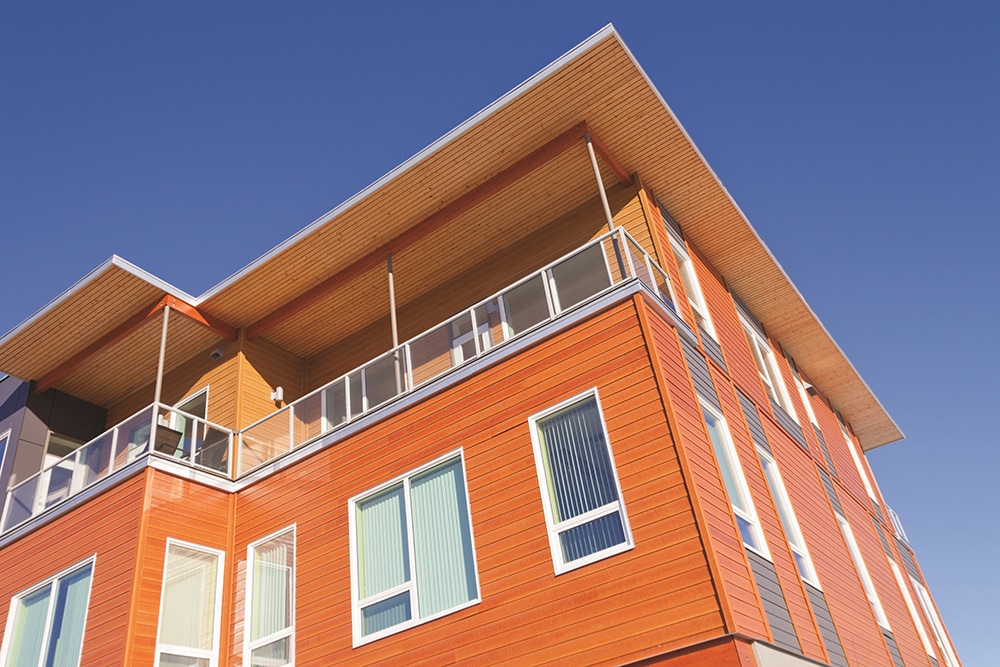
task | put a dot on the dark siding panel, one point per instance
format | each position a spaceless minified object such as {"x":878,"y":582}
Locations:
{"x":933,"y":660}
{"x":830,"y":491}
{"x":790,"y":425}
{"x":908,"y":563}
{"x":748,"y":316}
{"x":881,"y":536}
{"x":890,"y":641}
{"x":672,"y":227}
{"x":774,"y":603}
{"x":699,"y":373}
{"x":878,"y":512}
{"x":826,"y":627}
{"x":712,"y":349}
{"x":826,"y":452}
{"x":753,"y":422}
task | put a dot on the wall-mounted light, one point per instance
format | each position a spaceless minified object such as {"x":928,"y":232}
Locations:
{"x":278,"y":395}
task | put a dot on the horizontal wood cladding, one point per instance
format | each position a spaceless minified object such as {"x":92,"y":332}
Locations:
{"x":722,"y":533}
{"x":196,"y":373}
{"x":266,"y":367}
{"x":505,"y":266}
{"x":658,"y":594}
{"x":108,"y":527}
{"x":185,"y":511}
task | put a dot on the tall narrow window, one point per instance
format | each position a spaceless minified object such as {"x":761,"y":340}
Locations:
{"x":859,"y":565}
{"x":787,"y":515}
{"x":45,"y":625}
{"x":732,"y":476}
{"x":412,"y":557}
{"x":857,"y":463}
{"x":271,"y":600}
{"x":911,"y":607}
{"x":937,"y":627}
{"x":692,"y":287}
{"x":767,"y":367}
{"x":804,"y":395}
{"x":581,"y":496}
{"x":190,"y":607}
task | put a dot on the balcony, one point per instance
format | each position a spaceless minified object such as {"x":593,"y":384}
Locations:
{"x":547,"y":294}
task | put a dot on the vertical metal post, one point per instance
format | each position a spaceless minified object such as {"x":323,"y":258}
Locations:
{"x":392,"y":322}
{"x":163,"y":352}
{"x":600,"y":183}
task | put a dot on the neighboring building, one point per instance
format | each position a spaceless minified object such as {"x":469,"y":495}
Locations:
{"x":614,"y":432}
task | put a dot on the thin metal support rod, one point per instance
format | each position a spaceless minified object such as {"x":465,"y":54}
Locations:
{"x":163,"y":354}
{"x":392,"y":322}
{"x":600,"y":183}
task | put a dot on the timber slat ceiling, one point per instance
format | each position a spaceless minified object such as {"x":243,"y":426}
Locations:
{"x":599,"y":83}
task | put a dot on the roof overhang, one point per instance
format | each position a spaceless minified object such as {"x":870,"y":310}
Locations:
{"x":598,"y":82}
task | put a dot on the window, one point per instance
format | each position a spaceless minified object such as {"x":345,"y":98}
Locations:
{"x":581,"y":496}
{"x":859,"y":565}
{"x":804,"y":395}
{"x":912,"y":608}
{"x":937,"y":627}
{"x":270,"y":601}
{"x":4,"y":441}
{"x":858,"y":464}
{"x":45,"y":626}
{"x":412,"y":556}
{"x":767,"y":367}
{"x":795,"y":539}
{"x":732,"y":476}
{"x":190,"y":607}
{"x":692,"y":288}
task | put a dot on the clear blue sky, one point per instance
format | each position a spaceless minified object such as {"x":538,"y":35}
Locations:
{"x":861,"y":141}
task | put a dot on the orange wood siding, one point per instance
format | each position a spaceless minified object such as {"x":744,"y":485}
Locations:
{"x":266,"y":367}
{"x":665,"y":251}
{"x":774,"y":534}
{"x":194,"y":374}
{"x":107,"y":526}
{"x":722,"y":533}
{"x":185,"y":511}
{"x":618,"y":609}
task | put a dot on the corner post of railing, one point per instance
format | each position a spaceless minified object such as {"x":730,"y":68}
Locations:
{"x":628,"y":254}
{"x":550,"y":297}
{"x":155,"y":417}
{"x":291,"y":426}
{"x":76,"y":480}
{"x":114,"y":449}
{"x":238,"y":440}
{"x":230,"y":460}
{"x":41,"y":490}
{"x":408,"y":366}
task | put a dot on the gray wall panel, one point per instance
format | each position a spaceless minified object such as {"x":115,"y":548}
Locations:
{"x":789,"y":424}
{"x":908,"y":562}
{"x":881,"y":536}
{"x":748,"y":316}
{"x":890,"y":641}
{"x":753,"y":422}
{"x":826,"y":627}
{"x":698,"y":368}
{"x":830,"y":491}
{"x":826,"y":452}
{"x":774,"y":603}
{"x":712,"y":349}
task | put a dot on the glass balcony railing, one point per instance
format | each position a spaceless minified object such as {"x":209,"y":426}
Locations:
{"x":175,"y":434}
{"x":897,"y":526}
{"x":570,"y":281}
{"x":531,"y":302}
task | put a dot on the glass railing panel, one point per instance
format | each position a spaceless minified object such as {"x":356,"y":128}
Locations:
{"x":267,"y":439}
{"x":336,"y":404}
{"x":526,"y":305}
{"x":579,"y":277}
{"x":384,"y":379}
{"x":21,"y":502}
{"x":307,"y":419}
{"x":430,"y":354}
{"x":95,"y":459}
{"x":214,"y":450}
{"x":463,"y":338}
{"x":355,"y":393}
{"x":491,"y":327}
{"x":133,"y":437}
{"x":58,"y":481}
{"x":663,"y":287}
{"x":638,"y":261}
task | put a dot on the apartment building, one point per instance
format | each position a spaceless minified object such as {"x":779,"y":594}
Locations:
{"x":540,"y":395}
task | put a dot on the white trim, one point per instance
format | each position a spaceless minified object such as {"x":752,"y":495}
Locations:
{"x":51,"y":582}
{"x":733,"y":460}
{"x":358,"y":605}
{"x":556,"y":528}
{"x":796,"y":540}
{"x":695,"y":295}
{"x":767,"y":367}
{"x":248,"y":644}
{"x":211,"y":655}
{"x":924,"y":596}
{"x":866,"y":581}
{"x":862,"y":473}
{"x":3,"y":457}
{"x":911,"y":607}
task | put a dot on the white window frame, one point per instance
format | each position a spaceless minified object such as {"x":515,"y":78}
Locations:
{"x":937,"y":627}
{"x":248,"y":645}
{"x":51,"y":582}
{"x":911,"y":607}
{"x":689,"y":278}
{"x":857,"y":463}
{"x":862,"y":570}
{"x":3,"y":455}
{"x":211,"y":655}
{"x":804,"y":395}
{"x":767,"y":369}
{"x":796,"y":541}
{"x":554,"y":528}
{"x":357,"y":605}
{"x":732,"y":460}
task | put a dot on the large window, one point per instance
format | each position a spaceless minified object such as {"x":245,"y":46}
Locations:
{"x":936,"y":625}
{"x":190,"y":607}
{"x":45,"y":624}
{"x":767,"y":367}
{"x":795,"y":539}
{"x":866,"y":580}
{"x":857,"y":463}
{"x":911,"y":607}
{"x":270,"y":601}
{"x":692,"y":288}
{"x":581,"y":497}
{"x":412,"y":556}
{"x":732,"y":477}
